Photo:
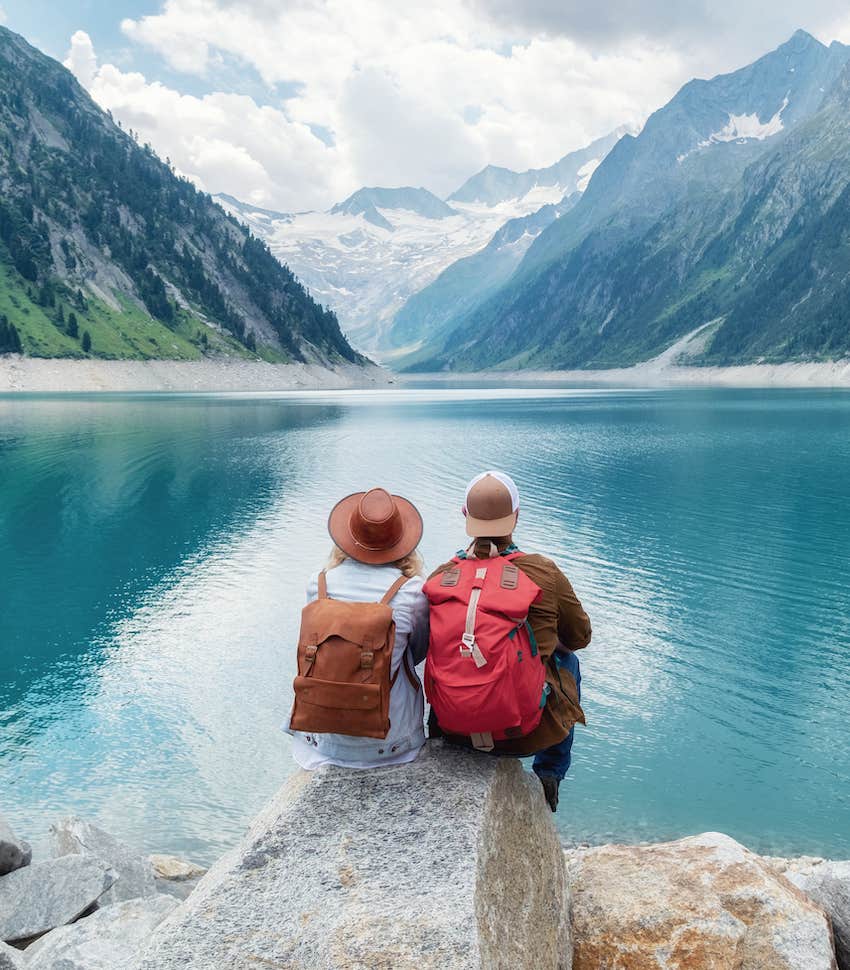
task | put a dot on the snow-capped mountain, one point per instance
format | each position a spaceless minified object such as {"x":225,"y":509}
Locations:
{"x":370,"y":253}
{"x":572,"y":172}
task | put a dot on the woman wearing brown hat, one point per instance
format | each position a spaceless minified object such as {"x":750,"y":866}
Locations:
{"x":374,"y":559}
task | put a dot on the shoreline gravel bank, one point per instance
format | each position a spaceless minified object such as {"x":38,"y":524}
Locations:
{"x":39,"y":375}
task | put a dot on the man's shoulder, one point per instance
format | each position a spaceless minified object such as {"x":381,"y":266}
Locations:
{"x":538,"y":567}
{"x":535,"y":559}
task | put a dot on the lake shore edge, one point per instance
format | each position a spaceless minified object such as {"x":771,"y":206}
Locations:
{"x":36,"y":375}
{"x":652,"y":374}
{"x":281,"y":895}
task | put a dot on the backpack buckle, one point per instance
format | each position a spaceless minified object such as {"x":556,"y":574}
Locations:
{"x":367,"y":659}
{"x":469,"y":648}
{"x":310,"y":653}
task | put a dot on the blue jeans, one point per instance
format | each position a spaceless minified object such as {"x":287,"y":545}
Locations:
{"x":554,"y":762}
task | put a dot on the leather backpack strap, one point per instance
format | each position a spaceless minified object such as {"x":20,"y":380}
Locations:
{"x":390,"y":593}
{"x":323,"y":586}
{"x":408,"y":672}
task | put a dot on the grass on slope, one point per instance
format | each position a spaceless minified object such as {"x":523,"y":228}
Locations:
{"x":125,"y":334}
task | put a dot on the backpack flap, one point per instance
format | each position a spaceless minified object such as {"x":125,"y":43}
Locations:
{"x":366,"y":624}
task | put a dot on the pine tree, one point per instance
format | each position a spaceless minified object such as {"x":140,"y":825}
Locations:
{"x":73,"y":327}
{"x":86,"y":341}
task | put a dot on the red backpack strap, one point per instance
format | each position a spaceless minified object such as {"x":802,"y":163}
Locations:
{"x":390,"y":593}
{"x":323,"y":585}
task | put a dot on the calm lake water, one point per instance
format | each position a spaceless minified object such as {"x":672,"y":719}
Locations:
{"x":153,"y":554}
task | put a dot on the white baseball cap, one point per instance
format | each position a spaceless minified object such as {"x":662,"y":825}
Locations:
{"x":491,"y":505}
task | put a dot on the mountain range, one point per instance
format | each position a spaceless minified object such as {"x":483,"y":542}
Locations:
{"x":371,"y":253}
{"x":722,"y":228}
{"x":105,"y":252}
{"x":727,"y":215}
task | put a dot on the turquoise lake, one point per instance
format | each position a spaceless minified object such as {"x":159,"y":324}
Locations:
{"x":154,"y":551}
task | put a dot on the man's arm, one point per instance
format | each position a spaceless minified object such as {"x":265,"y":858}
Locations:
{"x":574,"y":630}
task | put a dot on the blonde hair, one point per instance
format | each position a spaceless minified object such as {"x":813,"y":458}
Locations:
{"x":410,"y":565}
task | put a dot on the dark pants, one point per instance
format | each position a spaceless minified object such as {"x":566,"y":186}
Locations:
{"x":554,"y":762}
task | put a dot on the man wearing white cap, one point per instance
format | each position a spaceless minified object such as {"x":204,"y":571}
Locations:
{"x":557,"y":620}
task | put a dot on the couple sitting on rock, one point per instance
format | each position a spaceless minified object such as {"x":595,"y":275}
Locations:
{"x":497,"y":629}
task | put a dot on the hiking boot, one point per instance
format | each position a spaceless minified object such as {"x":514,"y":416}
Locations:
{"x":550,"y":790}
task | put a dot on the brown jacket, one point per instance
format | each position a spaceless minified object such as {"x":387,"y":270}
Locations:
{"x":557,"y":617}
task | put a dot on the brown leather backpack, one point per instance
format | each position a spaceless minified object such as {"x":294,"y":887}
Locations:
{"x":345,"y":653}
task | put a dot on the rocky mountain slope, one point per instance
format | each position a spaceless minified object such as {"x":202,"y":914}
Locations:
{"x":370,"y":253}
{"x":442,"y":305}
{"x":105,"y":252}
{"x":493,"y":184}
{"x":728,"y":209}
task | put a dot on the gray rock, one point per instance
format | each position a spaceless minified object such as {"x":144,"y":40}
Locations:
{"x":827,"y":884}
{"x":135,"y":874}
{"x":179,"y":889}
{"x":10,"y":958}
{"x":110,"y":939}
{"x":449,"y":862}
{"x":14,"y":853}
{"x":172,"y":868}
{"x":49,"y":894}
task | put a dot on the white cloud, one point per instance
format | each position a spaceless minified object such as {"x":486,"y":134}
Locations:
{"x":425,"y":92}
{"x":223,"y":142}
{"x":81,"y":59}
{"x":3,"y":16}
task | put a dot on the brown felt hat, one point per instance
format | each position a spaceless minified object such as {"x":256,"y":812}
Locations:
{"x":375,"y":527}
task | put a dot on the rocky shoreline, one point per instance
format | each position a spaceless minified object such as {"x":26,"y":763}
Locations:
{"x":449,"y":863}
{"x":91,"y":906}
{"x":42,"y":375}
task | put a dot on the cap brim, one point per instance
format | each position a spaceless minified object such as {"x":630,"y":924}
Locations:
{"x":490,"y":528}
{"x":411,"y":534}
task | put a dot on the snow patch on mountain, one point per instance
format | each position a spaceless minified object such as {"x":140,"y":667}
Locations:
{"x":741,"y":128}
{"x":585,"y":172}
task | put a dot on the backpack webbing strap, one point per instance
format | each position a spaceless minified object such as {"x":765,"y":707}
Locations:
{"x":396,"y":586}
{"x":323,"y":585}
{"x":468,"y":645}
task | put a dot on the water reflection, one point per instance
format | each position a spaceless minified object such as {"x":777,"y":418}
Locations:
{"x":160,"y":550}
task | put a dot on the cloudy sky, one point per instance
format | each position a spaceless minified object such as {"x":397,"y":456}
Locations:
{"x":293,"y":104}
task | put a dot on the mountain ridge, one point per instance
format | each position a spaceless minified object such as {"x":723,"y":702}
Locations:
{"x":654,"y":248}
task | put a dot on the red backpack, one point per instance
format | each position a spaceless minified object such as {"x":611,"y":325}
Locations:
{"x":483,"y":675}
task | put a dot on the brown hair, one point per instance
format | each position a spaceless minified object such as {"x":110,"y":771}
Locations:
{"x":410,"y":565}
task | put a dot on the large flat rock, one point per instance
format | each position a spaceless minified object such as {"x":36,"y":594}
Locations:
{"x":49,"y":894}
{"x":449,"y":862}
{"x":702,"y":903}
{"x":109,"y":939}
{"x":134,"y":873}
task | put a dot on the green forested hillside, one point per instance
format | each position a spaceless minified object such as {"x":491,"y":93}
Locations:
{"x":104,"y":251}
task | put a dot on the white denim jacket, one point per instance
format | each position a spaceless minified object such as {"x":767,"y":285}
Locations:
{"x":356,"y":582}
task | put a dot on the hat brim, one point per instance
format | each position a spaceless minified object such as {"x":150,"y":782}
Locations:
{"x":340,"y":531}
{"x":490,"y":528}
